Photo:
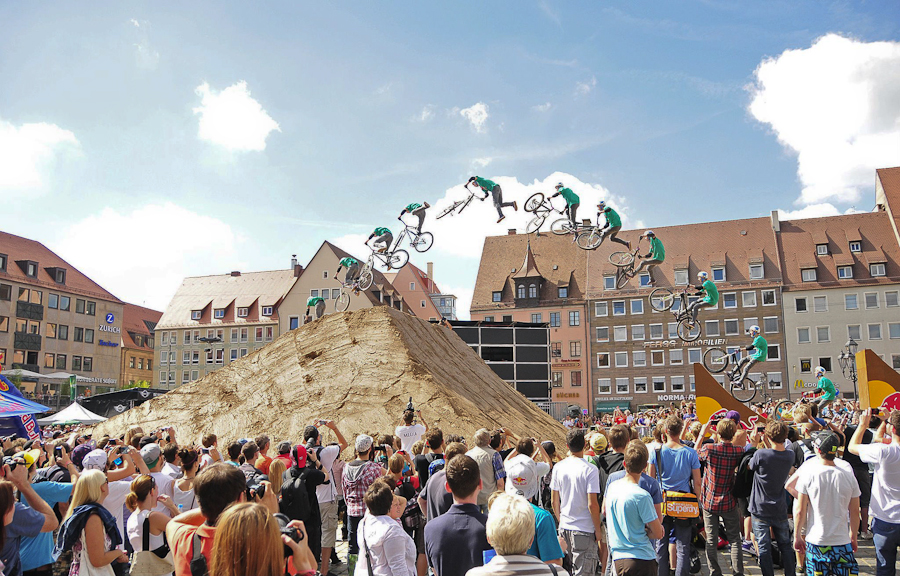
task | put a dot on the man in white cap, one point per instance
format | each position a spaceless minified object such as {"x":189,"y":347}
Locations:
{"x":358,"y":476}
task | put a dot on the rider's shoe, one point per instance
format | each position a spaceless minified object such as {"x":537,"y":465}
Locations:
{"x":427,"y":205}
{"x":356,"y":291}
{"x":483,"y":198}
{"x":515,"y":206}
{"x":499,"y":220}
{"x":628,"y":244}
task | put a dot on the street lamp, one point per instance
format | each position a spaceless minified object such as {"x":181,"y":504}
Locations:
{"x":847,"y":360}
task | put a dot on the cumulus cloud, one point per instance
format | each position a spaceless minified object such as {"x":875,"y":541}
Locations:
{"x":584,"y":88}
{"x":477,"y":115}
{"x":481,"y":162}
{"x":148,"y":273}
{"x":29,"y":152}
{"x":836,"y":105}
{"x":232,"y":119}
{"x":542,"y":107}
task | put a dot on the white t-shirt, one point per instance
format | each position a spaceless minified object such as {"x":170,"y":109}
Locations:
{"x":523,"y":473}
{"x":115,"y":502}
{"x":885,"y":503}
{"x":409,"y":435}
{"x":328,"y":492}
{"x":574,"y":479}
{"x":164,"y":484}
{"x":136,"y":531}
{"x":171,"y":470}
{"x":830,"y":489}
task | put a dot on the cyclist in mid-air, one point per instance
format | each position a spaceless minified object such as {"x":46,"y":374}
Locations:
{"x":653,"y":258}
{"x":826,"y":392}
{"x":572,"y":201}
{"x":710,"y":299}
{"x":352,"y":266}
{"x":613,"y":224}
{"x":417,"y":210}
{"x":383,"y":239}
{"x":492,"y":188}
{"x":760,"y":349}
{"x":318,"y":304}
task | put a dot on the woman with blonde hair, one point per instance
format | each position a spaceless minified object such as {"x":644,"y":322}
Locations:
{"x":249,"y":541}
{"x":141,"y":501}
{"x":276,"y":474}
{"x":89,"y":530}
{"x":131,"y":433}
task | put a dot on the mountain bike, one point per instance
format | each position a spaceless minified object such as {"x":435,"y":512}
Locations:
{"x":458,"y":206}
{"x":362,"y":283}
{"x":590,"y":238}
{"x":391,"y":259}
{"x":717,"y":360}
{"x":421,"y":242}
{"x":624,"y":263}
{"x":662,"y":299}
{"x":542,"y":208}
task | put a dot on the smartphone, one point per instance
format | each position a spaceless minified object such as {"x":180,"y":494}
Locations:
{"x":117,"y":462}
{"x":760,"y":428}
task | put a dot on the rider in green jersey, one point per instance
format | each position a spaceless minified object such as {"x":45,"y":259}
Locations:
{"x":318,"y":304}
{"x":383,"y":239}
{"x":653,"y":258}
{"x":826,"y":386}
{"x":613,"y":224}
{"x":759,"y":349}
{"x":710,"y":299}
{"x":352,"y":266}
{"x":493,"y":188}
{"x":417,"y":210}
{"x":572,"y":201}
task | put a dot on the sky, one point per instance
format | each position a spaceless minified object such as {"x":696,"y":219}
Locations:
{"x":148,"y":141}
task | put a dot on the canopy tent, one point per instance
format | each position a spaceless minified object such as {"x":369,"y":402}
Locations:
{"x":12,"y":405}
{"x":18,"y":372}
{"x":75,"y":412}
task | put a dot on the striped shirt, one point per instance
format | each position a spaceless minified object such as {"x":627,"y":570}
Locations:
{"x":518,"y":564}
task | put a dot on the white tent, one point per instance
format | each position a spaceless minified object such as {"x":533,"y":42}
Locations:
{"x":75,"y":412}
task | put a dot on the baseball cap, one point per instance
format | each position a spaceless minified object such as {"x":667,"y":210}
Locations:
{"x":826,"y":442}
{"x":363,"y":443}
{"x":599,"y":442}
{"x":29,"y":456}
{"x":734,"y":415}
{"x":94,"y":460}
{"x":300,"y":455}
{"x":79,"y":453}
{"x":151,"y":453}
{"x":284,"y":447}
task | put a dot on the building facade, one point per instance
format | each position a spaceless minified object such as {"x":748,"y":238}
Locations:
{"x":53,"y":319}
{"x":421,"y":294}
{"x":138,"y":343}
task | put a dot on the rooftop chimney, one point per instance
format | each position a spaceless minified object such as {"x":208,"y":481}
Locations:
{"x":298,"y":269}
{"x":776,"y":223}
{"x":586,"y":222}
{"x":430,"y":271}
{"x":293,"y":260}
{"x":511,"y":232}
{"x":235,"y":273}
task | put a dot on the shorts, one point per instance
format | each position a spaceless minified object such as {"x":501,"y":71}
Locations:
{"x":864,"y":479}
{"x":838,"y":560}
{"x":329,"y":512}
{"x":635,"y":567}
{"x":582,"y":552}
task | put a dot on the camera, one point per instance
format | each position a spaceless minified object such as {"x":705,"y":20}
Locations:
{"x":409,"y":405}
{"x":204,"y":450}
{"x":289,"y":531}
{"x":12,"y":462}
{"x":379,"y":448}
{"x":260,"y":490}
{"x":58,"y":451}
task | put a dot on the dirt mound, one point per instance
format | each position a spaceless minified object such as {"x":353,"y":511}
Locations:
{"x":357,"y":368}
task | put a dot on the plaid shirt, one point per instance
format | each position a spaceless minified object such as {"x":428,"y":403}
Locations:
{"x":355,"y":490}
{"x":499,"y":469}
{"x":715,"y":490}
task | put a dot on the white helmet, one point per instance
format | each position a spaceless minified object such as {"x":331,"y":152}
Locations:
{"x":754,"y":330}
{"x":649,"y":233}
{"x":560,"y":185}
{"x":820,"y":371}
{"x":703,"y":276}
{"x":601,"y":205}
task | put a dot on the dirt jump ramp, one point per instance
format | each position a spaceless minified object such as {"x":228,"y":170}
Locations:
{"x":356,"y":368}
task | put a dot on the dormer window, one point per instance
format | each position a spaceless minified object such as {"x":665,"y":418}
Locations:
{"x":756,"y":271}
{"x":822,"y":249}
{"x":3,"y":260}
{"x":681,"y":277}
{"x":266,"y":310}
{"x":856,"y":246}
{"x":563,"y":292}
{"x":532,"y":291}
{"x":219,"y":313}
{"x":496,"y":296}
{"x":520,"y":291}
{"x":31,"y":269}
{"x":808,"y":275}
{"x":60,"y":276}
{"x":243,"y":312}
{"x":196,"y":314}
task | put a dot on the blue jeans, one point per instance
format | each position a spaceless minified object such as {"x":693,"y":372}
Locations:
{"x":682,"y":533}
{"x":782,"y":532}
{"x":886,"y":537}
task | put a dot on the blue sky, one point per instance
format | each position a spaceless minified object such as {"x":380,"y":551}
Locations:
{"x":322,"y":120}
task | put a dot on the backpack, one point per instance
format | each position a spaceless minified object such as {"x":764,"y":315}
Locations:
{"x":743,"y":479}
{"x":436,"y":466}
{"x":295,"y":497}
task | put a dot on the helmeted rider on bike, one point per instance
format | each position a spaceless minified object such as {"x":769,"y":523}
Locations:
{"x":653,"y":258}
{"x":417,"y":210}
{"x":487,"y":186}
{"x":613,"y":224}
{"x":383,"y":239}
{"x":352,"y":266}
{"x":572,"y":201}
{"x":826,"y":386}
{"x":760,"y":349}
{"x":318,"y":303}
{"x":710,"y":299}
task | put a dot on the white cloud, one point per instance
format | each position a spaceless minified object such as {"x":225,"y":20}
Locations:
{"x":815,"y":211}
{"x":28,"y":153}
{"x":135,"y":23}
{"x":584,"y":88}
{"x":232,"y":119}
{"x":477,"y":115}
{"x":426,"y":114}
{"x":148,"y":273}
{"x":542,"y":107}
{"x":384,"y":89}
{"x":463,"y":297}
{"x":481,"y":162}
{"x":836,"y":105}
{"x":355,"y":244}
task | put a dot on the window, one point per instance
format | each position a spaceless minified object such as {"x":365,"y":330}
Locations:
{"x":854,"y":331}
{"x":532,"y":291}
{"x":770,"y":324}
{"x":53,"y":301}
{"x":673,"y":330}
{"x":677,"y":383}
{"x":31,"y":269}
{"x":768,"y":297}
{"x":90,"y":308}
{"x":60,"y":362}
{"x":5,"y":292}
{"x":601,"y":308}
{"x":637,"y":306}
{"x":748,"y":322}
{"x":554,"y":319}
{"x":874,"y":331}
{"x":219,"y":313}
{"x":856,"y":246}
{"x":621,"y":359}
{"x":731,"y":328}
{"x":895,"y":361}
{"x":681,"y":277}
{"x":537,"y":318}
{"x":820,"y":304}
{"x":640,"y":385}
{"x":748,"y":299}
{"x":87,"y":364}
{"x":325,"y":293}
{"x":712,"y":327}
{"x":757,"y":271}
{"x":520,"y":291}
{"x":266,"y":310}
{"x":775,"y":381}
{"x":49,"y":330}
{"x":76,"y":363}
{"x":575,"y":376}
{"x":245,"y":334}
{"x":803,"y":335}
{"x":806,"y":365}
{"x":845,"y":272}
{"x":637,"y":332}
{"x":659,"y":384}
{"x":718,"y":274}
{"x":173,"y":338}
{"x":79,"y":334}
{"x":575,"y":349}
{"x":800,"y":304}
{"x":894,"y":330}
{"x":825,"y":362}
{"x":639,"y":358}
{"x":88,"y":336}
{"x":602,"y":333}
{"x":243,"y":352}
{"x":64,"y":303}
{"x":4,"y":323}
{"x":644,"y":279}
{"x":604,"y":386}
{"x":622,"y":386}
{"x":808,"y":275}
{"x":574,"y":318}
{"x":195,"y":314}
{"x":49,"y":360}
{"x":657,"y":357}
{"x":491,"y":319}
{"x":620,"y":333}
{"x":695,"y":355}
{"x":259,"y":334}
{"x":234,"y":335}
{"x":876,"y":269}
{"x":729,"y":300}
{"x":563,"y":292}
{"x":871,"y":300}
{"x":676,"y":356}
{"x":209,"y":356}
{"x":656,"y":331}
{"x":618,"y":307}
{"x":609,"y":282}
{"x":822,"y":249}
{"x":423,"y":303}
{"x":851,"y":302}
{"x":3,"y":259}
{"x":773,"y":352}
{"x":891,"y":299}
{"x":602,"y":359}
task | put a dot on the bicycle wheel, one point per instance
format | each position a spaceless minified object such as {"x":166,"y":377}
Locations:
{"x":449,"y":209}
{"x":661,"y":299}
{"x":784,"y":410}
{"x":621,"y":278}
{"x":621,"y":258}
{"x":423,"y":242}
{"x":466,"y":203}
{"x":588,"y":239}
{"x":343,"y":302}
{"x":744,"y":391}
{"x":562,"y":226}
{"x":534,"y":224}
{"x":398,"y":259}
{"x":365,"y":279}
{"x":715,"y":360}
{"x":686,"y":333}
{"x":534,"y":202}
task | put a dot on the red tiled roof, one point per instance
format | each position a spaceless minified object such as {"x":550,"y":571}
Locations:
{"x":138,"y":320}
{"x":17,"y":249}
{"x":888,"y":180}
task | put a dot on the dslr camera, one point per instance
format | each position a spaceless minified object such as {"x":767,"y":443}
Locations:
{"x":289,"y":531}
{"x":259,"y":489}
{"x":12,"y":462}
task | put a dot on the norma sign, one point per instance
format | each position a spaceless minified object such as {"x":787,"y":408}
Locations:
{"x":679,"y":343}
{"x":567,"y":364}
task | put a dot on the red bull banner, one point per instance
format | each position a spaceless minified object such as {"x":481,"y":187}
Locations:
{"x":714,"y":401}
{"x":879,"y":384}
